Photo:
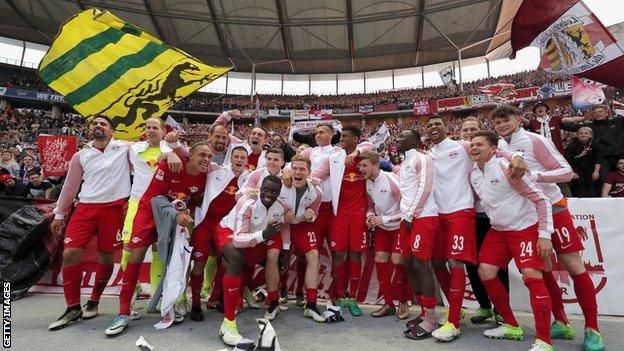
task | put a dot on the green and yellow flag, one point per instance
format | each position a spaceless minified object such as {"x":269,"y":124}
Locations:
{"x":105,"y":66}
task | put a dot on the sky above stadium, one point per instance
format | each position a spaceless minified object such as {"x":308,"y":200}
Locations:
{"x":608,"y":11}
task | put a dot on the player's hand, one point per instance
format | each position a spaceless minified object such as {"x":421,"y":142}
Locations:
{"x":544,"y":248}
{"x":174,"y":162}
{"x":309,"y":215}
{"x":235,"y":114}
{"x":271,"y":229}
{"x":184,"y":219}
{"x":351,"y":157}
{"x":252,"y":193}
{"x":287,"y":177}
{"x":172,"y":137}
{"x":56,"y":226}
{"x":517,"y":167}
{"x":289,"y":217}
{"x":375,"y":221}
{"x":408,"y":224}
{"x":315,"y":181}
{"x":284,"y":261}
{"x":575,"y":175}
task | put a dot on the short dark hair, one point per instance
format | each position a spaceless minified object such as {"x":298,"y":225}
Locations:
{"x":491,"y":137}
{"x":240,"y":148}
{"x":326,"y":125}
{"x":272,"y":179}
{"x":110,"y":122}
{"x":33,"y":171}
{"x":214,"y":126}
{"x":416,"y":134}
{"x":198,"y":144}
{"x":266,"y":132}
{"x":275,"y":150}
{"x":354,"y":130}
{"x":503,"y":111}
{"x":473,"y":119}
{"x":435,"y":117}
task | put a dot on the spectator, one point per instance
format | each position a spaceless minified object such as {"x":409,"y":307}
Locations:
{"x":550,"y":126}
{"x":11,"y":187}
{"x":8,"y":163}
{"x":585,"y":157}
{"x":614,"y":184}
{"x":38,"y":188}
{"x":279,"y":142}
{"x":609,"y":133}
{"x":28,"y":165}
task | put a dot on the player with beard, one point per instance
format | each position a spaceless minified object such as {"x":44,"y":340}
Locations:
{"x":219,"y":199}
{"x":144,"y":159}
{"x":419,"y":224}
{"x":186,"y":186}
{"x":456,"y":239}
{"x":257,"y":139}
{"x":102,"y":174}
{"x":384,"y":216}
{"x":304,"y":199}
{"x":348,"y":232}
{"x":245,"y":237}
{"x":521,"y":227}
{"x":549,"y":167}
{"x":470,"y":125}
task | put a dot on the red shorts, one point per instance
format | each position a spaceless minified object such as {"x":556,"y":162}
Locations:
{"x":144,"y":231}
{"x":499,"y":247}
{"x":253,"y":255}
{"x":303,"y":237}
{"x":388,"y":240}
{"x":565,"y":239}
{"x":349,"y":233}
{"x":457,"y":237}
{"x":420,"y":242}
{"x":202,"y":240}
{"x":103,"y":220}
{"x":323,"y":221}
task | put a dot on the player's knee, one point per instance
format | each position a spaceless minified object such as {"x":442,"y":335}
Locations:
{"x":354,"y":256}
{"x":422,"y":265}
{"x":71,"y":256}
{"x":312,"y":257}
{"x":455,"y":264}
{"x":106,"y":258}
{"x":486,"y":272}
{"x":381,"y":256}
{"x":396,"y":259}
{"x":339,"y":256}
{"x":531,"y":273}
{"x":137,"y":255}
{"x":573,"y":262}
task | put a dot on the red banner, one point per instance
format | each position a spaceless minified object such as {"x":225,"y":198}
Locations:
{"x":425,"y":107}
{"x":55,"y":153}
{"x":386,"y":107}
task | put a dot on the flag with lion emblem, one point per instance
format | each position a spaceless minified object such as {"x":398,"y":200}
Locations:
{"x":571,"y":39}
{"x":105,"y":66}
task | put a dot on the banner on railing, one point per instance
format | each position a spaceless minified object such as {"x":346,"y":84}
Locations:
{"x":425,"y":107}
{"x":31,"y":95}
{"x":299,"y":115}
{"x":386,"y":107}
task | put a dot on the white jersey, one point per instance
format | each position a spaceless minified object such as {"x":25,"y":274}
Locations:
{"x":384,"y":197}
{"x":452,"y":164}
{"x":546,"y":164}
{"x":317,"y":156}
{"x":417,"y":176}
{"x":105,"y":176}
{"x":311,"y":199}
{"x":511,"y":205}
{"x":143,"y":172}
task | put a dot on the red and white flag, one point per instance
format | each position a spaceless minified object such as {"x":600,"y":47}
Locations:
{"x":55,"y":152}
{"x":171,"y":125}
{"x":571,"y":40}
{"x":321,"y":114}
{"x":618,"y":108}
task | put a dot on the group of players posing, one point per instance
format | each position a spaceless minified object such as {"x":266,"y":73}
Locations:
{"x":468,"y":205}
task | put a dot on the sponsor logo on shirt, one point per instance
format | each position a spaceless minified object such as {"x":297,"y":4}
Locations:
{"x":135,"y":239}
{"x":160,"y":174}
{"x":352,"y":177}
{"x":494,"y":181}
{"x":67,"y":240}
{"x":231,"y":190}
{"x":193,"y":189}
{"x":453,"y":154}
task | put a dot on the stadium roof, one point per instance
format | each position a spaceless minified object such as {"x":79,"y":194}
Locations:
{"x":305,"y":36}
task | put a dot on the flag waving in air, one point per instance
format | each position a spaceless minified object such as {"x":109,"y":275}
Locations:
{"x":571,"y":40}
{"x":105,"y":66}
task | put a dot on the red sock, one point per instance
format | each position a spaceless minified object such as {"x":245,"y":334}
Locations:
{"x":271,"y":296}
{"x":72,"y":277}
{"x":301,"y":268}
{"x":444,"y":278}
{"x":383,"y":277}
{"x":311,"y":295}
{"x":555,"y":298}
{"x":400,"y":282}
{"x":339,"y":278}
{"x":456,"y":294}
{"x":102,"y":275}
{"x":355,"y":270}
{"x":586,"y":295}
{"x":196,"y":285}
{"x":540,"y":304}
{"x":500,"y":299}
{"x":419,"y":298}
{"x":130,"y":279}
{"x":231,"y":294}
{"x":217,"y":284}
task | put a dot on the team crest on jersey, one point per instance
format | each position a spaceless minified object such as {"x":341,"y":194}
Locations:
{"x":193,"y":189}
{"x":352,"y":177}
{"x":135,"y":239}
{"x":160,"y":175}
{"x":231,"y":190}
{"x":453,"y":154}
{"x":67,"y":240}
{"x":494,"y":181}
